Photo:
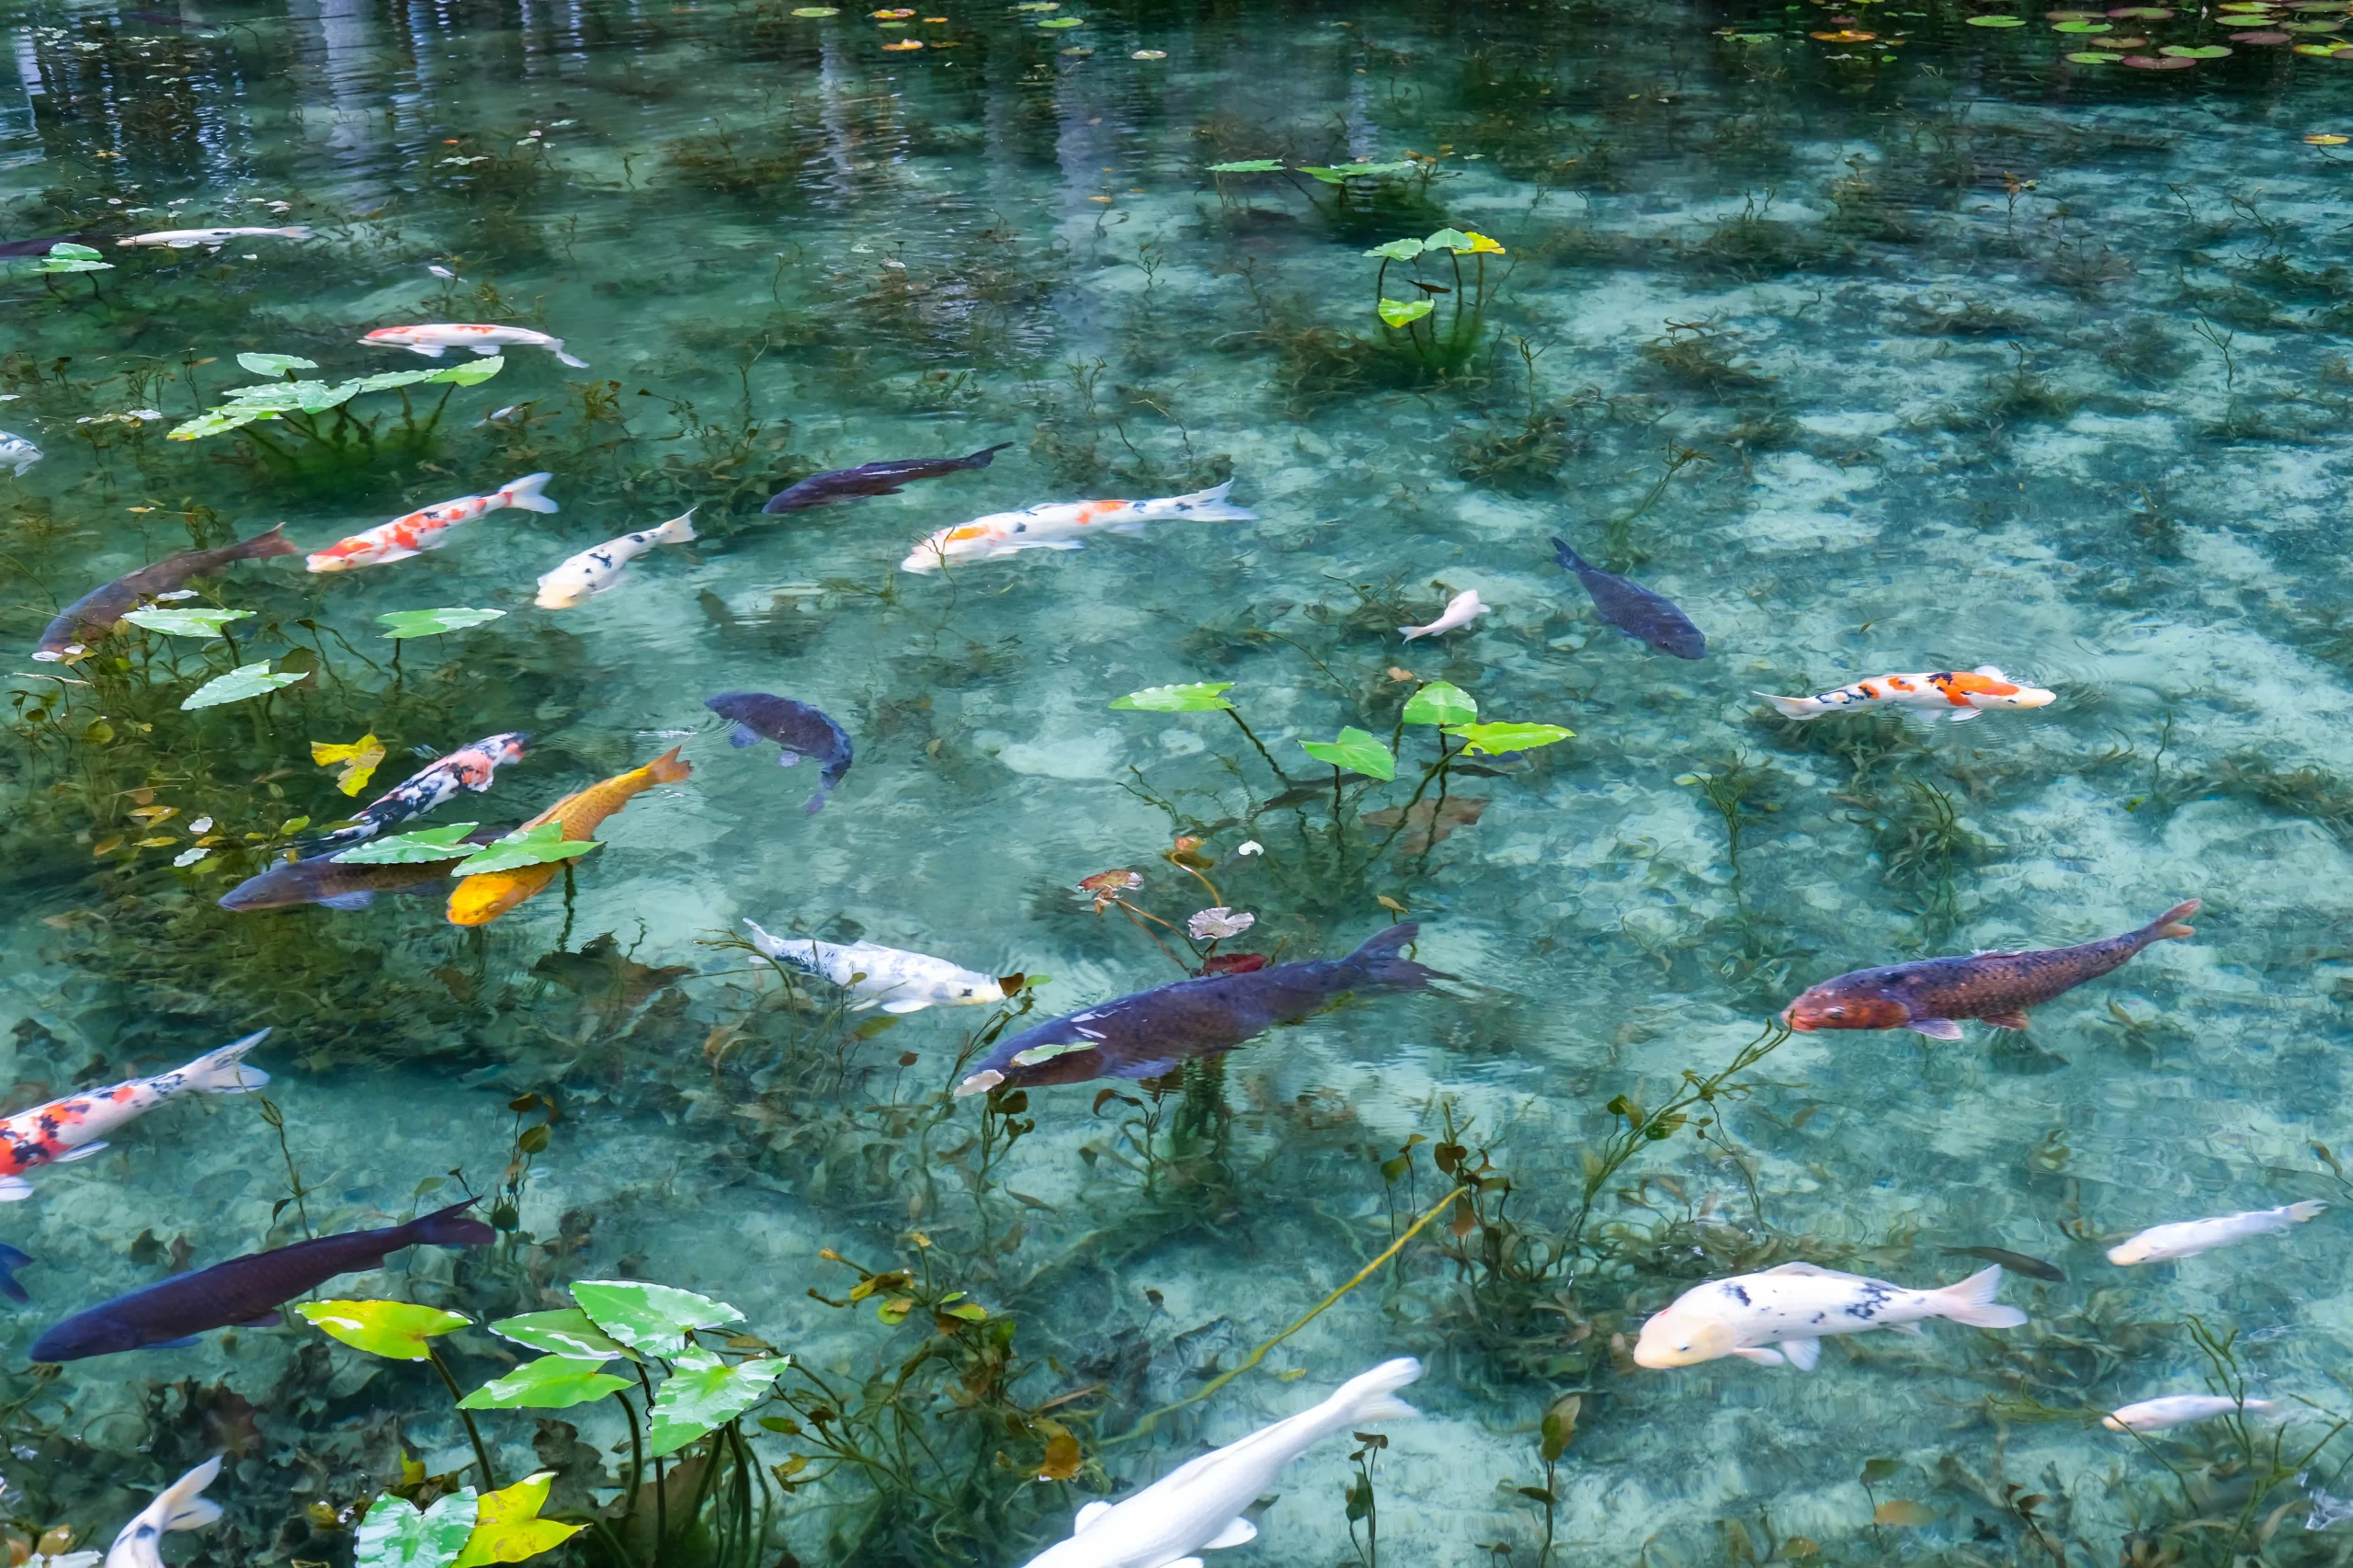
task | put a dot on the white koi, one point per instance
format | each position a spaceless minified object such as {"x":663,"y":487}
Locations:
{"x":18,"y":453}
{"x":1962,"y":693}
{"x":1066,"y":524}
{"x":594,"y":571}
{"x":2176,"y":1410}
{"x":1460,"y":610}
{"x":212,"y":239}
{"x":896,"y":980}
{"x":436,"y":338}
{"x":2187,"y":1238}
{"x":180,"y":1506}
{"x":1795,"y":1306}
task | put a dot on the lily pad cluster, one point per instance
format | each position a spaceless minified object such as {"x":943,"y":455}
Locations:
{"x":1450,"y":710}
{"x":273,"y":399}
{"x":67,"y":256}
{"x":539,"y":845}
{"x":1330,"y":174}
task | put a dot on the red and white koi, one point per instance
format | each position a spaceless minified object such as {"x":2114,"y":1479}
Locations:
{"x":594,"y":571}
{"x":1962,"y":693}
{"x":1460,"y":610}
{"x":436,"y":338}
{"x":469,"y":767}
{"x":1067,"y":524}
{"x":428,"y":527}
{"x":71,"y":1129}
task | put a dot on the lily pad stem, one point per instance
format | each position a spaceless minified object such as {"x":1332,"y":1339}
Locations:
{"x":481,"y":1454}
{"x":1236,"y":716}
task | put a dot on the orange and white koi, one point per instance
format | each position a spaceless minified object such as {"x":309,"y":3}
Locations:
{"x":70,"y":1128}
{"x":1963,"y":693}
{"x":434,"y":338}
{"x":427,"y":529}
{"x":1067,"y":524}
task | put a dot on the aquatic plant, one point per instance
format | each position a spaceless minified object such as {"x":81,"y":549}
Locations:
{"x":296,"y":405}
{"x":1438,"y":351}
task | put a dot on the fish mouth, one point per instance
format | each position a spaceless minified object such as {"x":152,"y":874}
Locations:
{"x":1789,"y":1017}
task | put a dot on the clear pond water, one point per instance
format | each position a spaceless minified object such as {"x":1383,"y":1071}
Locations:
{"x":1879,"y":339}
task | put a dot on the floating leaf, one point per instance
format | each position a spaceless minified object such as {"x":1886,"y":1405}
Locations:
{"x":552,"y":1382}
{"x":358,"y":758}
{"x":2091,"y":57}
{"x":1449,"y":239}
{"x":1062,"y":22}
{"x":703,"y":1392}
{"x":1996,"y":21}
{"x":67,"y":256}
{"x":186,"y":622}
{"x":433,"y":622}
{"x":2158,"y":62}
{"x":66,"y":250}
{"x":507,"y":1527}
{"x":1397,"y":312}
{"x":1247,"y":166}
{"x":2203,"y":52}
{"x":1195,"y":697}
{"x":418,"y":848}
{"x":1441,"y":702}
{"x":246,"y":680}
{"x":1904,"y":1514}
{"x":2323,"y":50}
{"x":1357,"y":752}
{"x":564,"y":1332}
{"x":2268,"y":38}
{"x":525,"y":846}
{"x":1845,"y":35}
{"x":275,"y":364}
{"x":395,"y":1330}
{"x":395,"y":1535}
{"x":2084,"y":28}
{"x":654,"y":1318}
{"x":2326,"y":140}
{"x":270,"y":400}
{"x":810,"y":12}
{"x":1496,"y":740}
{"x":1482,"y":246}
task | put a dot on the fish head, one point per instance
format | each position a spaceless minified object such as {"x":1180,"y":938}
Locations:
{"x":91,"y":1334}
{"x":2139,"y":1249}
{"x":558,"y":596}
{"x":1833,"y":1007}
{"x":1679,"y":1338}
{"x":1988,"y":687}
{"x":264,"y":891}
{"x":948,"y":544}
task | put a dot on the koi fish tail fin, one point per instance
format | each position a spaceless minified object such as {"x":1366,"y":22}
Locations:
{"x":1373,"y":1396}
{"x":817,"y":802}
{"x":1376,"y":965}
{"x":2168,"y":926}
{"x":450,"y":1227}
{"x":669,"y":767}
{"x":1413,"y":632}
{"x":679,"y":530}
{"x":525,"y":493}
{"x":295,"y":231}
{"x":182,"y":1504}
{"x":273,"y":542}
{"x":1971,"y":1301}
{"x":984,"y":457}
{"x":555,"y":347}
{"x":781,"y":949}
{"x":1570,"y":558}
{"x":12,"y":1260}
{"x":2306,"y":1210}
{"x":223,"y":1072}
{"x":1793,"y":706}
{"x":1201,"y":507}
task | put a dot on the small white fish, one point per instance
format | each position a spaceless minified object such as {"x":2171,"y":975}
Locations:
{"x":2187,"y":1238}
{"x":1794,"y":1305}
{"x":18,"y":453}
{"x":1963,"y":694}
{"x":897,"y":981}
{"x":594,"y":571}
{"x":2174,"y":1410}
{"x":1066,"y":525}
{"x":434,"y":338}
{"x":213,"y":239}
{"x":180,"y":1506}
{"x":1199,"y":1506}
{"x":1460,"y":610}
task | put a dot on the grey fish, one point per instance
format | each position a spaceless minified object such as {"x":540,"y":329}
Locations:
{"x":872,"y":479}
{"x":2015,"y":1262}
{"x":1634,"y":609}
{"x":800,"y":730}
{"x":1149,"y":1033}
{"x":94,"y":616}
{"x":246,"y":1290}
{"x":321,"y":880}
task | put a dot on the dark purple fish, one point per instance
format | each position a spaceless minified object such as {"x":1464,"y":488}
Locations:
{"x":800,"y":729}
{"x":1151,"y":1032}
{"x":94,"y":616}
{"x":246,"y":1290}
{"x":319,"y":880}
{"x":12,"y":1260}
{"x":469,"y":767}
{"x":872,"y":479}
{"x":1634,"y":609}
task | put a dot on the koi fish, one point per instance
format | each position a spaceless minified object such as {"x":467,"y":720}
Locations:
{"x":800,"y":730}
{"x":1066,"y":525}
{"x":1149,"y":1033}
{"x":12,"y":1260}
{"x":428,"y":527}
{"x":1962,"y":693}
{"x":213,"y":239}
{"x":439,"y":338}
{"x":246,"y":1290}
{"x":873,"y":479}
{"x":1201,"y":1505}
{"x":2015,"y":1262}
{"x":178,"y":1506}
{"x":69,"y":1129}
{"x":1795,"y":1306}
{"x":94,"y":616}
{"x":1929,"y":995}
{"x":1637,"y":611}
{"x":2174,"y":1409}
{"x":482,"y":898}
{"x":322,"y":879}
{"x":2187,"y":1238}
{"x":470,"y":767}
{"x":16,"y":454}
{"x":1460,"y":610}
{"x":594,"y":571}
{"x":897,"y":981}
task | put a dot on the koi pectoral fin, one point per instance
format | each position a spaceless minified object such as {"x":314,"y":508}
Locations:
{"x":84,"y":1152}
{"x":1763,"y":1358}
{"x":1802,"y":1353}
{"x":1935,"y":1028}
{"x":15,"y":1189}
{"x":1963,"y":715}
{"x":2006,"y":1021}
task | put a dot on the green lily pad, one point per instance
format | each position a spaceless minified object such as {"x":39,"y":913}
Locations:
{"x":1062,"y":22}
{"x":270,"y":400}
{"x":2203,"y":52}
{"x":67,"y":256}
{"x":1248,"y":166}
{"x":563,"y":1332}
{"x":395,"y":1535}
{"x":525,"y":846}
{"x":395,"y":1330}
{"x":811,"y":13}
{"x":1399,"y":312}
{"x":2084,"y":28}
{"x":1496,"y":740}
{"x":246,"y":680}
{"x":2093,"y":57}
{"x":1357,"y":752}
{"x":422,"y":847}
{"x":552,"y":1382}
{"x":1195,"y":697}
{"x":1996,"y":21}
{"x":275,"y":364}
{"x":507,"y":1527}
{"x":186,"y":622}
{"x":703,"y":1394}
{"x":1399,"y":250}
{"x":651,"y":1318}
{"x":433,"y":622}
{"x":1441,"y":702}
